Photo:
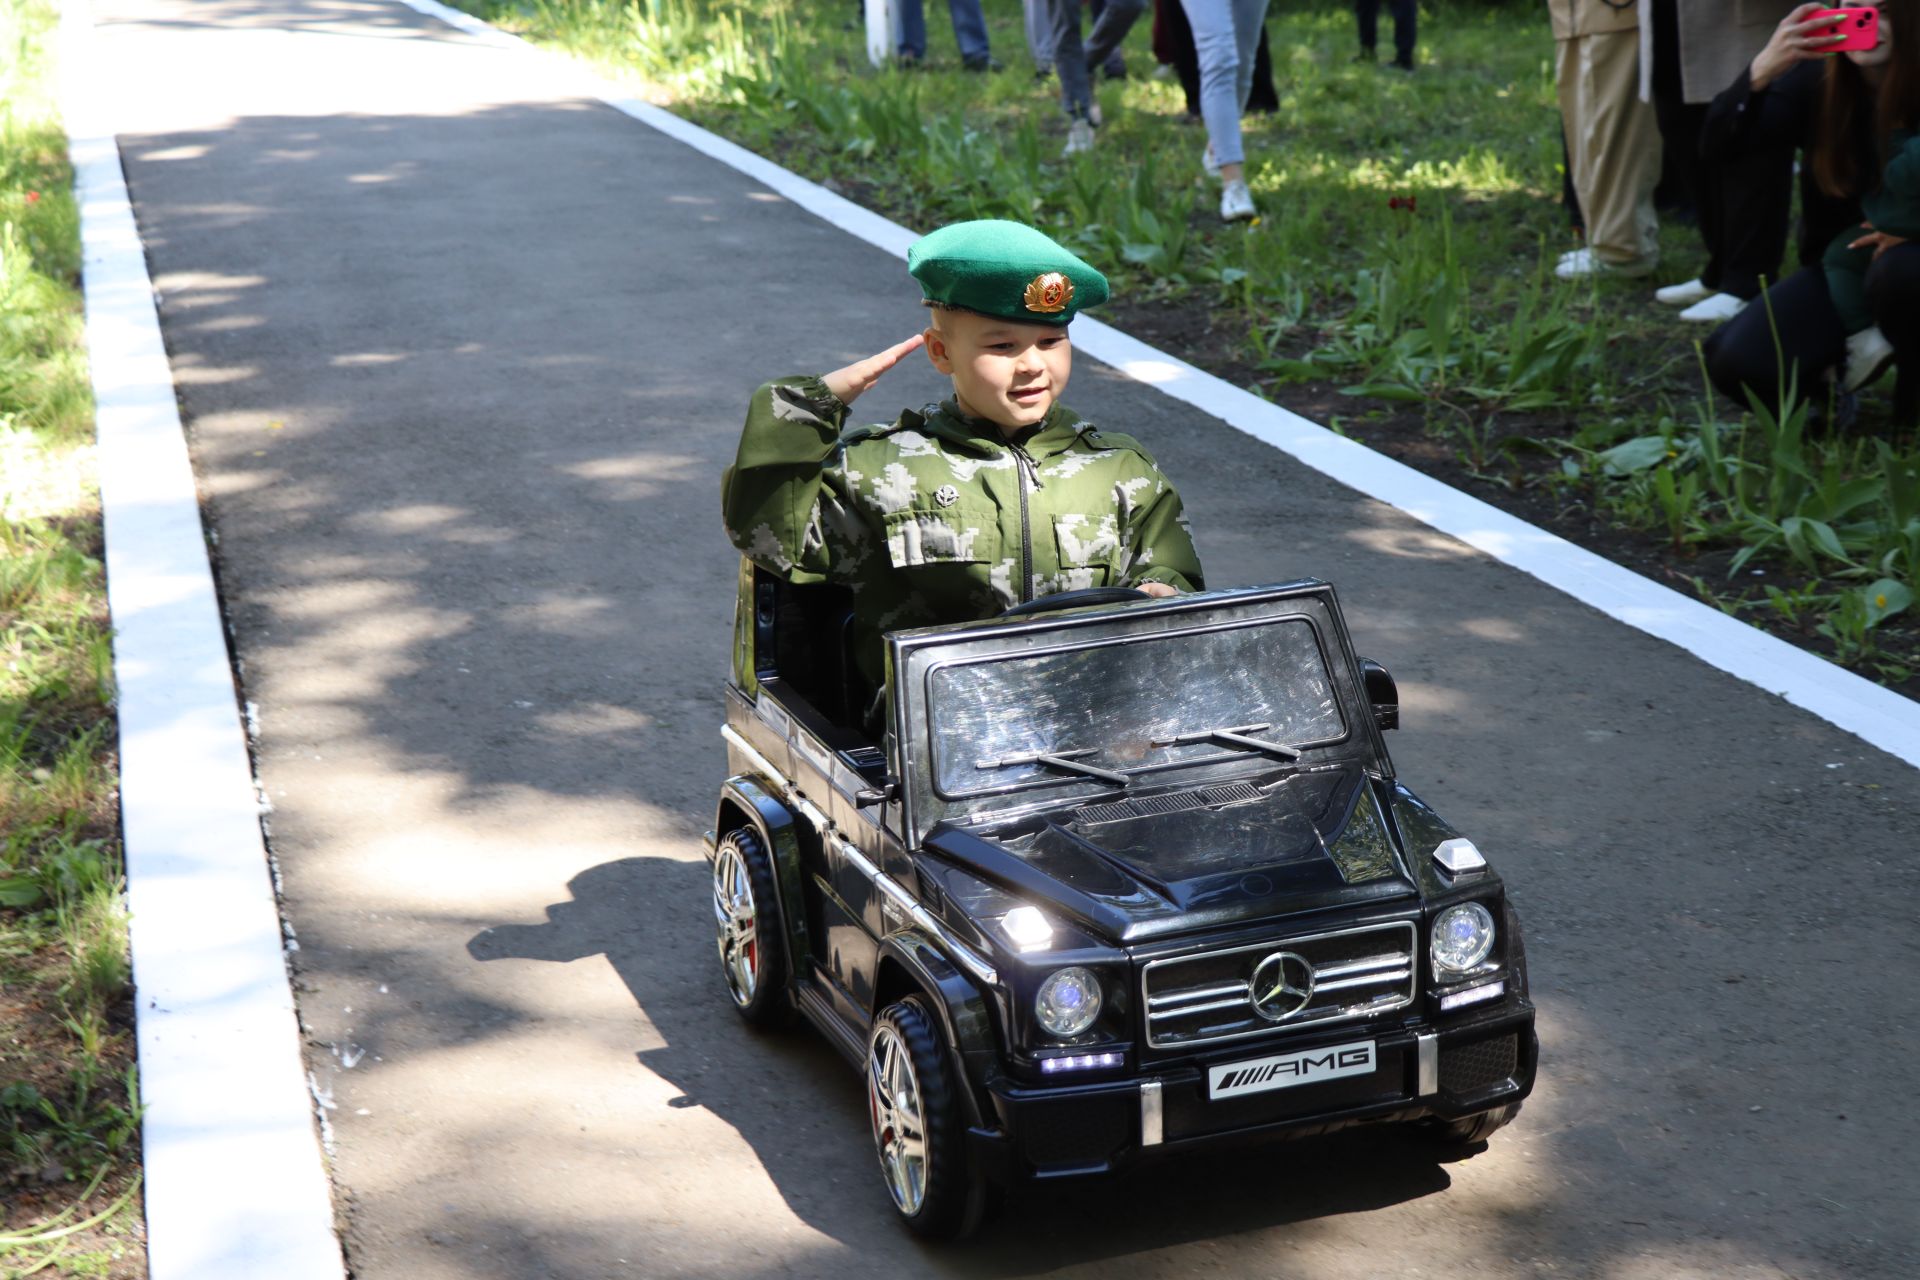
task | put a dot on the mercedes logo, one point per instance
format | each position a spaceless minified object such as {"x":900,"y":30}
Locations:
{"x":1281,"y":986}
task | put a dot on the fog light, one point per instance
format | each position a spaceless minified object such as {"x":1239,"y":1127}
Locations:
{"x":1473,"y":995}
{"x":1082,"y":1062}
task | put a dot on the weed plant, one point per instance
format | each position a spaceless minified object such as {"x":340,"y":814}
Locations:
{"x":68,"y":1115}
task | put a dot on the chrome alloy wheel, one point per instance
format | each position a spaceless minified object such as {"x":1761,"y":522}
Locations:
{"x":736,"y":923}
{"x":899,"y":1126}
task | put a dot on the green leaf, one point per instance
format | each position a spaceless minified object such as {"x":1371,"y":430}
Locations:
{"x":1293,"y":370}
{"x":1642,"y":453}
{"x":19,"y":891}
{"x":1884,"y":599}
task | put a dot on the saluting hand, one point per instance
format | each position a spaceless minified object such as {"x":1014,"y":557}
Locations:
{"x":849,"y":383}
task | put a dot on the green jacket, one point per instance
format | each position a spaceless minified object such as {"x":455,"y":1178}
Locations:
{"x":938,"y":518}
{"x":1894,"y":206}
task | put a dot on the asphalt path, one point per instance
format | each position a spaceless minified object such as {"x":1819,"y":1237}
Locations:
{"x":462,"y":355}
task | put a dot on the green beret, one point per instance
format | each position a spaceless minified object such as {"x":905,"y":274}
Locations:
{"x":1004,"y":269}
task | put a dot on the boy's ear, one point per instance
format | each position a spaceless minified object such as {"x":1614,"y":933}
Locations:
{"x":937,"y":351}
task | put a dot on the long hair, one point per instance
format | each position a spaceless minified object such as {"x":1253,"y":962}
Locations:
{"x":1848,"y":100}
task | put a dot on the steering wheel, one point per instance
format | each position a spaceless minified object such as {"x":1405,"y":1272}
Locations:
{"x":1084,"y":598}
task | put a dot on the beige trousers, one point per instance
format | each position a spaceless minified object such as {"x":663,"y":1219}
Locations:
{"x":1613,"y":143}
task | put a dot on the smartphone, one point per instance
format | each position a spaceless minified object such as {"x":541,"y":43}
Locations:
{"x":1860,"y":26}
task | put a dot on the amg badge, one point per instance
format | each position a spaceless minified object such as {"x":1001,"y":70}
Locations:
{"x":1309,"y":1066}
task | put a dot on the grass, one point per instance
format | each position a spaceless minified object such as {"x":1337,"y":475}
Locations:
{"x":1401,"y":268}
{"x":68,"y":1115}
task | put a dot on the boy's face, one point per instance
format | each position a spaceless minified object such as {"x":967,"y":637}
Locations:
{"x":1006,"y":372}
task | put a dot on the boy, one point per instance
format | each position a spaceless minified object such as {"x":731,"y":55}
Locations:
{"x":958,"y":511}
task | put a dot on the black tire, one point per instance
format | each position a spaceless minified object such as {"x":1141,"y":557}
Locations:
{"x":748,"y":929}
{"x":908,"y":1068}
{"x":1471,"y":1130}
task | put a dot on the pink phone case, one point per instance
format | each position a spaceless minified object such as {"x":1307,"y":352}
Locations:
{"x":1860,"y":26}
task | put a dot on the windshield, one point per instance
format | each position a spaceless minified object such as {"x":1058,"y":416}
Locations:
{"x":1130,"y":707}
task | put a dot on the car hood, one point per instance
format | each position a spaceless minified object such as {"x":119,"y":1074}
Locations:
{"x":1178,"y":860}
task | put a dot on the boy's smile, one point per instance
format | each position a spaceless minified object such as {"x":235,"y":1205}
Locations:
{"x":1006,"y":372}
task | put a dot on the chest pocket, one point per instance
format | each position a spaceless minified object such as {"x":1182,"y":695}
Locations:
{"x":1088,"y":546}
{"x":942,"y":536}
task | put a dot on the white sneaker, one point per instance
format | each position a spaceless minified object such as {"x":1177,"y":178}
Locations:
{"x":1868,"y":355}
{"x":1715,"y":309}
{"x":1079,"y":138}
{"x":1579,"y":264}
{"x":1093,"y":114}
{"x":1208,"y":163}
{"x":1236,"y":202}
{"x":1682,"y":295}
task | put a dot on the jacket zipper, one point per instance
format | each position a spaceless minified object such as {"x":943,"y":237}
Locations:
{"x":1029,"y":470}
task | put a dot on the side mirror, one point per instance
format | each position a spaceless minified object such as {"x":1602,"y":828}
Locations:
{"x":1382,"y":693}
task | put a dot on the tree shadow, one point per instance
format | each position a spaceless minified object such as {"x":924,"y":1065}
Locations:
{"x":627,"y":910}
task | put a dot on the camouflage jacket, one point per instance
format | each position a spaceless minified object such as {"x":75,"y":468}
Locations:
{"x":938,"y":518}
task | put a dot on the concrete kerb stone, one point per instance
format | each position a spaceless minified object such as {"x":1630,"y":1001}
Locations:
{"x":235,"y":1184}
{"x":1876,"y":715}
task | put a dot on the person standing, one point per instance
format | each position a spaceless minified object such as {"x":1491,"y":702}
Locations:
{"x":1406,"y":30}
{"x":1226,"y":36}
{"x":1613,"y":142}
{"x":1689,"y":53}
{"x":969,"y":32}
{"x":1074,"y":61}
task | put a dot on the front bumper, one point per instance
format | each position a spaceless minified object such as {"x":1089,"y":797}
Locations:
{"x":1470,"y":1065}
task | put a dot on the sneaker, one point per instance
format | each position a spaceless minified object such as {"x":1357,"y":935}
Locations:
{"x":1093,"y":114}
{"x":988,"y":63}
{"x":1403,"y":64}
{"x":1683,"y":295}
{"x":1869,"y":355}
{"x":1580,"y":264}
{"x":1208,"y":163}
{"x":1079,"y":138}
{"x":1366,"y":54}
{"x":1236,"y":202}
{"x":1714,"y":309}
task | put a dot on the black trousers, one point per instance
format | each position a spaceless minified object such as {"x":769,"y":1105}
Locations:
{"x":1406,"y":26}
{"x":1741,"y":353}
{"x":1745,"y":206}
{"x":1679,"y":193}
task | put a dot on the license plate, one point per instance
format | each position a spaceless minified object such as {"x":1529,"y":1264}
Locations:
{"x":1285,"y":1070}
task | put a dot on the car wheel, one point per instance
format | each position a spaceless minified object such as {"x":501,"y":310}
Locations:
{"x":746,"y":922}
{"x":918,"y":1132}
{"x":1469,"y":1130}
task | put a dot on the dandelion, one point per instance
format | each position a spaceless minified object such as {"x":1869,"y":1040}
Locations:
{"x":1880,"y":601}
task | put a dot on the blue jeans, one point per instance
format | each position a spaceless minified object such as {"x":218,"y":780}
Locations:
{"x":1226,"y":36}
{"x":969,"y":29}
{"x":1072,"y":61}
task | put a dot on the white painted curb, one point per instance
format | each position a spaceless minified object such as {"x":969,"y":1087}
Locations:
{"x":1879,"y":716}
{"x":235,"y":1187}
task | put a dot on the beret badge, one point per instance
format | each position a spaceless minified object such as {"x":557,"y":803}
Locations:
{"x":1049,"y":293}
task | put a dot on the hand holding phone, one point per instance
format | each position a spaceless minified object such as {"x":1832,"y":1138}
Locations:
{"x":1859,"y":27}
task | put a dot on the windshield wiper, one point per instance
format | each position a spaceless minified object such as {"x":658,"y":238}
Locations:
{"x":1234,"y":735}
{"x":1064,"y":760}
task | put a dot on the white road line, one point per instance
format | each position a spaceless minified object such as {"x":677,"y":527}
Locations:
{"x":1878,"y":716}
{"x":235,"y":1188}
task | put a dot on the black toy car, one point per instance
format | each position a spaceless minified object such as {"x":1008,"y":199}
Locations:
{"x":1115,"y":877}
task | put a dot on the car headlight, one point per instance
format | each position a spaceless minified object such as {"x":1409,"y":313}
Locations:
{"x":1068,"y":1002}
{"x":1462,"y":937}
